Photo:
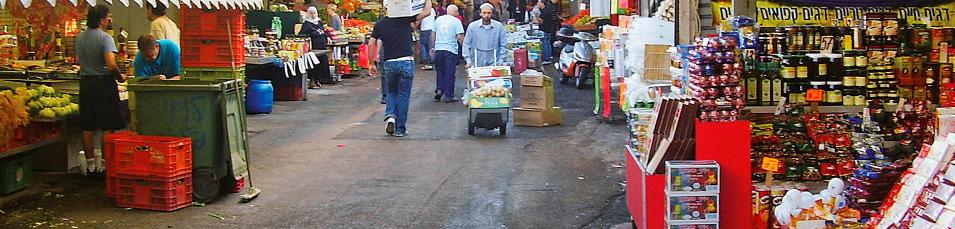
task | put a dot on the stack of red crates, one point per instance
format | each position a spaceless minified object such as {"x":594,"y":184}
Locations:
{"x":149,"y":172}
{"x":206,"y":40}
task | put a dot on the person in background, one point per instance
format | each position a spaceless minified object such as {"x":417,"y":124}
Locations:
{"x":440,"y":9}
{"x":161,"y":27}
{"x":398,"y":69}
{"x":477,"y":11}
{"x":425,"y":29}
{"x":485,"y":40}
{"x":518,"y":9}
{"x":157,"y":58}
{"x":535,"y":15}
{"x":315,"y":29}
{"x":102,"y":110}
{"x":334,"y":20}
{"x":448,"y":34}
{"x":550,"y":23}
{"x":469,"y":10}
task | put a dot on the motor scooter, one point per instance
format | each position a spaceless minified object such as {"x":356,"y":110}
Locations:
{"x":577,"y":56}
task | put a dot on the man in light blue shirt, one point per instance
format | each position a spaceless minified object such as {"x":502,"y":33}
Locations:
{"x":486,"y":39}
{"x":448,"y":33}
{"x":157,"y":58}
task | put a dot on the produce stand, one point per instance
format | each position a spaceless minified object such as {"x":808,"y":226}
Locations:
{"x":291,"y":88}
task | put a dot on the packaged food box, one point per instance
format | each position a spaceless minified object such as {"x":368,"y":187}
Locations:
{"x":693,"y":176}
{"x":403,"y":8}
{"x":695,"y":225}
{"x":693,"y":208}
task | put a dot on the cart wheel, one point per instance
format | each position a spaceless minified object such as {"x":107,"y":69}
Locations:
{"x":205,"y":185}
{"x":470,"y":128}
{"x":503,"y":130}
{"x":581,"y":77}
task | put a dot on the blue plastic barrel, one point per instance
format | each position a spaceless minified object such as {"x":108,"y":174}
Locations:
{"x":259,"y":97}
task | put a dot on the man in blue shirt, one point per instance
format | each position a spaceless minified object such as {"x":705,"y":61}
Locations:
{"x":448,"y":33}
{"x":157,"y":58}
{"x":486,"y":39}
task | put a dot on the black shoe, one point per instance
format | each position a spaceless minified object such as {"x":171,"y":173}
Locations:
{"x":383,"y":101}
{"x":452,"y":100}
{"x":437,"y":95}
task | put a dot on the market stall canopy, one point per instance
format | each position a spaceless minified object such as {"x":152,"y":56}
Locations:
{"x":201,"y":4}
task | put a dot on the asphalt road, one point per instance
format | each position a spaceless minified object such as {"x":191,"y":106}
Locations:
{"x":327,"y":163}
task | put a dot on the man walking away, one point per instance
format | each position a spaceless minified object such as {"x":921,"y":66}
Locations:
{"x":486,"y":39}
{"x":425,"y":43}
{"x":96,"y":54}
{"x":398,"y":68}
{"x":550,"y":23}
{"x":374,"y":47}
{"x":448,"y":33}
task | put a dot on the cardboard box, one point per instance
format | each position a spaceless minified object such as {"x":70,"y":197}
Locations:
{"x":656,"y":65}
{"x":693,"y":176}
{"x":692,"y":208}
{"x":403,"y":8}
{"x":537,"y":117}
{"x":536,"y":81}
{"x":537,"y":97}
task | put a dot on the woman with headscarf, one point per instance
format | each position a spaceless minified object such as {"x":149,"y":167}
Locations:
{"x":315,"y":29}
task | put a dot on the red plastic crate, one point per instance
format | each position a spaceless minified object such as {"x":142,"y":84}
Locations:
{"x":288,"y":92}
{"x":211,"y":22}
{"x":109,"y":153}
{"x":212,"y":51}
{"x":160,"y":194}
{"x":159,"y":156}
{"x":41,"y":131}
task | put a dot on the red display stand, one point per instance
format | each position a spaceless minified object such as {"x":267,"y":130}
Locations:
{"x":728,"y":143}
{"x":645,"y":195}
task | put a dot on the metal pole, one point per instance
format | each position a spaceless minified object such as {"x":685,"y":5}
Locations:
{"x":676,"y":18}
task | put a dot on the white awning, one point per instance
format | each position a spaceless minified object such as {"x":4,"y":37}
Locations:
{"x":201,"y":4}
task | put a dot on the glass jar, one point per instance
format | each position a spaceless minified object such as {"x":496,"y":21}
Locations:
{"x":794,"y":36}
{"x":849,"y":80}
{"x":816,"y":67}
{"x":862,"y":61}
{"x":835,"y":71}
{"x":848,"y":60}
{"x":848,"y":96}
{"x":789,"y":68}
{"x":802,"y":68}
{"x":834,"y":93}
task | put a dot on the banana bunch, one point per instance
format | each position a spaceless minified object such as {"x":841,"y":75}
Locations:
{"x":13,"y":113}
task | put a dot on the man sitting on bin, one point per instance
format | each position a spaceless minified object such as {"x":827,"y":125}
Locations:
{"x":157,"y":58}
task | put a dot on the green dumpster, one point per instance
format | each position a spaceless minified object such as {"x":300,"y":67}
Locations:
{"x":210,"y":114}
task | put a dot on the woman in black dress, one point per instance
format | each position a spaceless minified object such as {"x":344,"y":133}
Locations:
{"x":315,"y":29}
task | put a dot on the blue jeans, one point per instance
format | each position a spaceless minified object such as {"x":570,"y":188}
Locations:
{"x":445,"y":64}
{"x":424,"y":43}
{"x":547,"y":46}
{"x":398,"y":78}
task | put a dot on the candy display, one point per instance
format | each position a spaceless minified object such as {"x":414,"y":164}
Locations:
{"x":714,"y":78}
{"x":922,"y":198}
{"x":693,"y":176}
{"x":693,"y":208}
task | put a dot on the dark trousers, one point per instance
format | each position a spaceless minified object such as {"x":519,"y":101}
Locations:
{"x":445,"y":63}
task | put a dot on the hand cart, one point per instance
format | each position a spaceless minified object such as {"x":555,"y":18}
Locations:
{"x":488,"y":112}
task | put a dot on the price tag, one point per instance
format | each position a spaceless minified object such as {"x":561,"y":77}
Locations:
{"x":770,"y":164}
{"x":814,"y":95}
{"x":828,"y":43}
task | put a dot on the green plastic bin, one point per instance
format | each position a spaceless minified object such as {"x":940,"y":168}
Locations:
{"x":16,"y":173}
{"x":212,"y":73}
{"x":209,"y":113}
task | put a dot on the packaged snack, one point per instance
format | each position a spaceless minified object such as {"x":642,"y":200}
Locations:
{"x":693,"y":176}
{"x":692,"y":208}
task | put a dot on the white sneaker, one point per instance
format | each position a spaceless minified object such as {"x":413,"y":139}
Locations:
{"x":390,"y":126}
{"x":99,"y":162}
{"x":84,"y":165}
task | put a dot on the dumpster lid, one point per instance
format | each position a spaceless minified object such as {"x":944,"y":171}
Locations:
{"x":184,"y":85}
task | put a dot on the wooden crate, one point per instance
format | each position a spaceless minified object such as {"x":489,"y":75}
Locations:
{"x":656,"y":65}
